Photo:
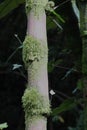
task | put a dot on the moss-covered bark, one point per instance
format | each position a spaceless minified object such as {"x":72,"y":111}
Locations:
{"x":36,"y":6}
{"x":39,"y":6}
{"x":35,"y":56}
{"x":33,"y":49}
{"x":35,"y":105}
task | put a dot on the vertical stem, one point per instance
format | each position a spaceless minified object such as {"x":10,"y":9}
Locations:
{"x":37,"y":28}
{"x":83,"y":28}
{"x":36,"y":62}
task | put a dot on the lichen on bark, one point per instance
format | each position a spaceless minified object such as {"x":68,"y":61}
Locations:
{"x":33,"y":49}
{"x":49,"y":6}
{"x":37,"y":6}
{"x":35,"y":105}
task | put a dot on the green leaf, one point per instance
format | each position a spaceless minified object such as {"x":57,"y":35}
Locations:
{"x":52,"y":64}
{"x":50,"y":23}
{"x":80,"y":84}
{"x":68,"y":73}
{"x":75,"y":8}
{"x":8,"y":5}
{"x":3,"y":125}
{"x":65,"y":106}
{"x":58,"y":16}
{"x":14,"y":52}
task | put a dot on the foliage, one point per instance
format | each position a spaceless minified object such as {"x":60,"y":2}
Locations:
{"x":3,"y":125}
{"x":8,"y":5}
{"x":52,"y":64}
{"x":80,"y":123}
{"x":80,"y":84}
{"x":65,"y":106}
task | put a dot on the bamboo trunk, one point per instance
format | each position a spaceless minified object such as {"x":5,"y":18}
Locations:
{"x":35,"y":56}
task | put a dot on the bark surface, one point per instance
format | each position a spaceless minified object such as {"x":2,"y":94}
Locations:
{"x":37,"y":65}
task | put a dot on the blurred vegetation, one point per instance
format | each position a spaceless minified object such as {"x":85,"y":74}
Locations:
{"x":64,"y":67}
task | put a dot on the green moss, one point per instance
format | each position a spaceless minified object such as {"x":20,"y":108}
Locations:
{"x":49,"y":6}
{"x":33,"y":50}
{"x":37,"y":6}
{"x":35,"y":105}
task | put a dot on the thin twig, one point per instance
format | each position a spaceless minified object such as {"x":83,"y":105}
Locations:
{"x":61,"y":93}
{"x":66,"y":68}
{"x":18,"y":38}
{"x":61,"y":4}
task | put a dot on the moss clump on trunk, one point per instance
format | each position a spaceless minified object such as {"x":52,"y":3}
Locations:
{"x":38,"y":6}
{"x":33,"y":49}
{"x":35,"y":105}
